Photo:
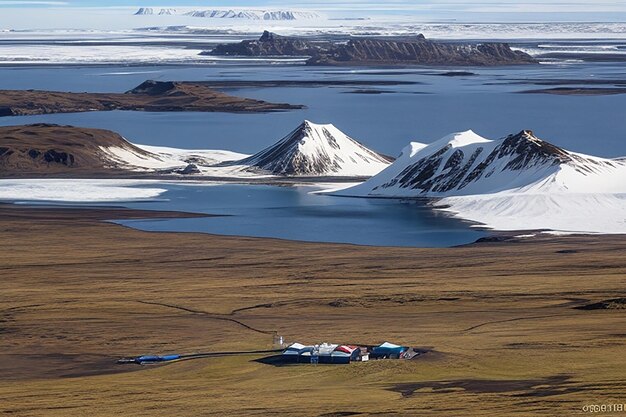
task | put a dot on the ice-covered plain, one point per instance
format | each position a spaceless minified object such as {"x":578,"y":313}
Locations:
{"x":78,"y":190}
{"x":117,"y":54}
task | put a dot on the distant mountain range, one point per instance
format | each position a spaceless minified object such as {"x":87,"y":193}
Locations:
{"x":519,"y":182}
{"x":408,"y":50}
{"x":152,"y":11}
{"x":459,"y":164}
{"x":246,"y":14}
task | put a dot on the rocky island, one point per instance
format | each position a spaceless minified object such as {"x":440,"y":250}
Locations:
{"x":156,"y":96}
{"x":377,"y":51}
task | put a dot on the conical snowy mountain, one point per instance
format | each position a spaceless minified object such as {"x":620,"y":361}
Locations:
{"x":317,"y":150}
{"x":468,"y":164}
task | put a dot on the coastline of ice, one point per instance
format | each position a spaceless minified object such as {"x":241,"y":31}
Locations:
{"x":565,"y":213}
{"x":79,"y":190}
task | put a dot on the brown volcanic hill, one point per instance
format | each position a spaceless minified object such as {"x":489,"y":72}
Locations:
{"x":149,"y":96}
{"x":47,"y":148}
{"x":415,"y":50}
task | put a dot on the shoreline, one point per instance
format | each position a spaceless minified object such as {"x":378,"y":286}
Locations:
{"x":79,"y":293}
{"x":111,"y":213}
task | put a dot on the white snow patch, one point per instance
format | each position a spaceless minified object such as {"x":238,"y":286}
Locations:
{"x":160,"y":158}
{"x":97,"y":54}
{"x":331,"y":187}
{"x":355,"y":160}
{"x":78,"y":190}
{"x":570,"y":213}
{"x":216,"y":156}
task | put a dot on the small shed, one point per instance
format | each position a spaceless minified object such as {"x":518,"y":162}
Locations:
{"x":388,"y":351}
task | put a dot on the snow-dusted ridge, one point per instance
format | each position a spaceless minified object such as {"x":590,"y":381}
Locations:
{"x":159,"y":159}
{"x":465,"y":163}
{"x":519,"y":182}
{"x":310,"y":150}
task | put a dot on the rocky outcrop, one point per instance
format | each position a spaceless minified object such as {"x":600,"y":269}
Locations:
{"x":367,"y":51}
{"x":190,"y":169}
{"x":270,"y":44}
{"x":420,"y":52}
{"x":53,"y":149}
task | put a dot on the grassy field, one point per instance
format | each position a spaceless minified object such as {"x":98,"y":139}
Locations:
{"x":500,"y":321}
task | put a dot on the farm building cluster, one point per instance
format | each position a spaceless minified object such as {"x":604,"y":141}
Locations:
{"x":344,"y":354}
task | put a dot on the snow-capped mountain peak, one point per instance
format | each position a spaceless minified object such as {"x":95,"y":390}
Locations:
{"x":411,"y":149}
{"x":317,"y":150}
{"x":467,"y":164}
{"x":459,"y":139}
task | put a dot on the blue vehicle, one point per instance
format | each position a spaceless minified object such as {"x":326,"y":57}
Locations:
{"x":148,"y":359}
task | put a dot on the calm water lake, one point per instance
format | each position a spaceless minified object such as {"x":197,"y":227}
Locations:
{"x":296,"y":213}
{"x":488,"y":103}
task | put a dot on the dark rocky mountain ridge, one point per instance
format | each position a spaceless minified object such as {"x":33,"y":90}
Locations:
{"x":415,"y":50}
{"x":449,"y":168}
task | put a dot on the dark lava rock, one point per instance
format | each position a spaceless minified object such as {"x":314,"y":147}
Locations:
{"x":153,"y":88}
{"x":457,"y":74}
{"x":6,"y":111}
{"x":5,"y":151}
{"x":190,"y":170}
{"x":495,"y":239}
{"x":53,"y":156}
{"x":613,"y":304}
